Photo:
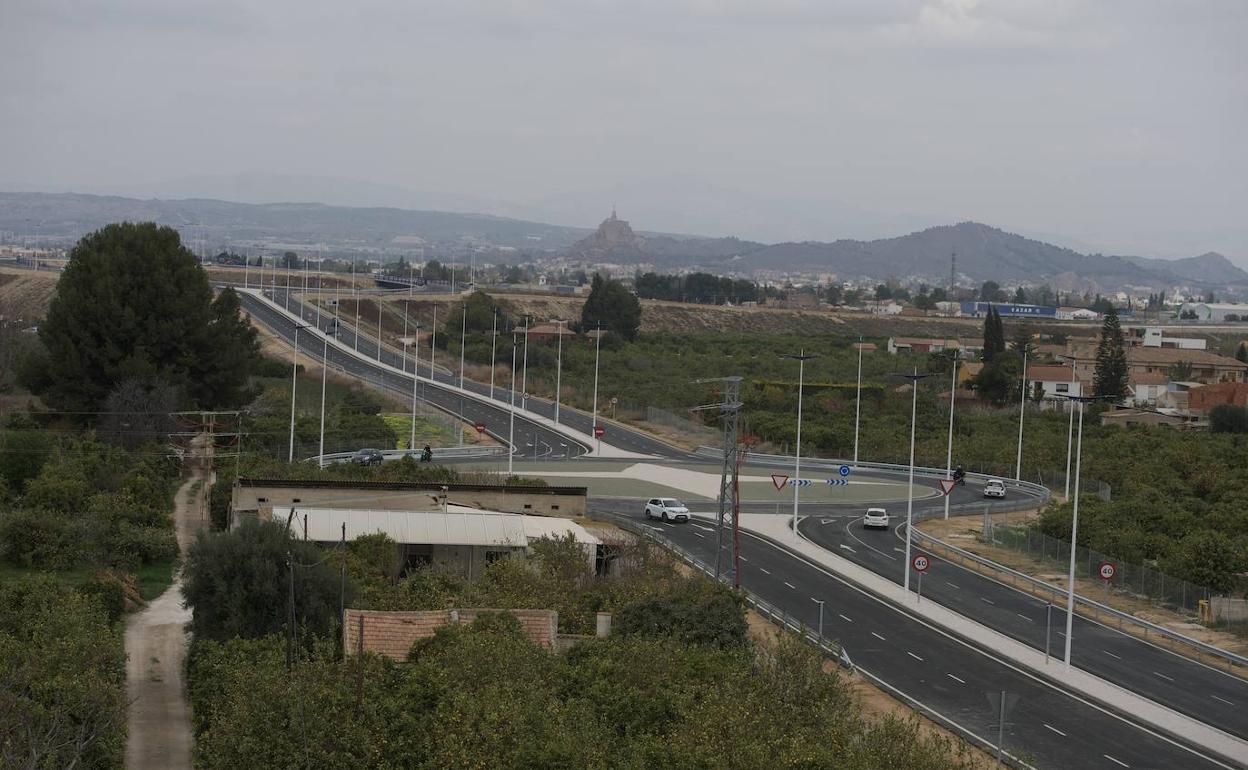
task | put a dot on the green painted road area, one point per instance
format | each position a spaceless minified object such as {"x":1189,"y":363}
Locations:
{"x":697,"y":482}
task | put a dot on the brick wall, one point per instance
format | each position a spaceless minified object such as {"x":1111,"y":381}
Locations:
{"x":393,"y":633}
{"x":1206,"y":398}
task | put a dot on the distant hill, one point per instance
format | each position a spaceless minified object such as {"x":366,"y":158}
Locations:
{"x":985,"y":253}
{"x":71,"y":215}
{"x":615,"y":242}
{"x":1211,"y":267}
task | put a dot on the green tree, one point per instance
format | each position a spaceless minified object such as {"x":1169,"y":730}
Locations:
{"x":1228,"y":418}
{"x":133,"y":303}
{"x":1020,"y":296}
{"x":24,"y":448}
{"x":994,"y":335}
{"x":62,"y":679}
{"x":236,"y":584}
{"x":1180,"y":371}
{"x":713,"y":617}
{"x":611,"y":304}
{"x":480,"y":308}
{"x":991,"y":292}
{"x":1000,"y":379}
{"x":1110,"y":378}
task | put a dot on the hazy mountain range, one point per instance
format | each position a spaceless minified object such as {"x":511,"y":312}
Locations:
{"x":983,"y":252}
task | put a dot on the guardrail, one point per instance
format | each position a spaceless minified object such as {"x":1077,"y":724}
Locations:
{"x":830,"y":647}
{"x":1097,"y":609}
{"x":444,"y":453}
{"x":822,"y":463}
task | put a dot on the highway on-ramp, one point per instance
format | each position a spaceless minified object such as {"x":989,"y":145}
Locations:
{"x":1048,"y":727}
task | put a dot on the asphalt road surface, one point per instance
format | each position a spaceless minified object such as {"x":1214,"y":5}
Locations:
{"x":1054,"y":729}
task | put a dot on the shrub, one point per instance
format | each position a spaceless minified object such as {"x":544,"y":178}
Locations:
{"x":41,"y":539}
{"x":1228,"y":418}
{"x":707,"y":616}
{"x":129,"y":546}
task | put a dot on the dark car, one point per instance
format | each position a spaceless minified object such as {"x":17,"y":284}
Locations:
{"x":367,"y":457}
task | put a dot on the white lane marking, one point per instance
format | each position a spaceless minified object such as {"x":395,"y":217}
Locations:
{"x":697,"y":534}
{"x":989,"y":601}
{"x":704,"y":529}
{"x":1110,"y":654}
{"x":898,"y":550}
{"x":742,"y":558}
{"x":764,"y":570}
{"x":790,"y":585}
{"x":916,"y":657}
{"x":1163,"y":676}
{"x":1024,"y":617}
{"x":877,"y":636}
{"x":851,"y":620}
{"x":847,"y":548}
{"x":956,"y":678}
{"x":1224,"y":700}
{"x":1054,"y":729}
{"x":951,"y":585}
{"x":1115,"y":761}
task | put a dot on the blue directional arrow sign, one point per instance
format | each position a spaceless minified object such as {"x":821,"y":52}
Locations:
{"x":838,"y":482}
{"x":845,"y":470}
{"x":800,"y":482}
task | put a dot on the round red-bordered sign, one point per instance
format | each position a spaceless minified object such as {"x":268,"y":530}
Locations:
{"x":920,"y":563}
{"x":1106,"y":570}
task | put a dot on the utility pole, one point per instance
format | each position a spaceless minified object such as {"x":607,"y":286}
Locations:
{"x":511,"y":411}
{"x":493,"y":350}
{"x":801,"y":359}
{"x":729,"y":409}
{"x":597,"y":348}
{"x":858,"y":402}
{"x":1022,"y":405}
{"x":294,"y":382}
{"x":914,"y":379}
{"x":953,"y":389}
{"x":559,"y":368}
{"x":411,"y":442}
{"x":324,"y":373}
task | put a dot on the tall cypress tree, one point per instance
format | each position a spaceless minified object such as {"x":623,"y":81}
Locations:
{"x":994,"y":334}
{"x":1111,"y":359}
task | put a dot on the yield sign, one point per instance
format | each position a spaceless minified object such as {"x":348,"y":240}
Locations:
{"x":946,"y":486}
{"x":779,"y":481}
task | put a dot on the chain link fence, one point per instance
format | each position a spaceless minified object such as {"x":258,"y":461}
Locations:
{"x":1136,"y":580}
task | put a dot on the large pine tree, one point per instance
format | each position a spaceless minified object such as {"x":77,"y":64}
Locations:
{"x":994,"y":334}
{"x":1111,"y":375}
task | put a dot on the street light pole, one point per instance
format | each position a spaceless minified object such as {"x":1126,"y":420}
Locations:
{"x":858,"y":401}
{"x":493,"y":350}
{"x":1022,"y":404}
{"x":379,"y":315}
{"x":411,"y":442}
{"x":433,"y":342}
{"x":953,"y":388}
{"x":511,"y":420}
{"x":1074,"y":534}
{"x":558,"y":369}
{"x":914,"y":406}
{"x":294,"y":382}
{"x":801,"y":359}
{"x":524,"y":376}
{"x":324,"y":374}
{"x":463,"y":336}
{"x":597,"y":348}
{"x":1070,"y":429}
{"x":355,"y":293}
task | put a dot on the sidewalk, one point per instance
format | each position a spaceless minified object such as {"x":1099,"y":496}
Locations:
{"x":1010,"y":651}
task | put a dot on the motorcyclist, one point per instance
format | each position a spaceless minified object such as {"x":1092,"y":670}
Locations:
{"x":959,"y":475}
{"x":426,"y":456}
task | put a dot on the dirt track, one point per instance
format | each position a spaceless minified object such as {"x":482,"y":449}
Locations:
{"x":156,"y":640}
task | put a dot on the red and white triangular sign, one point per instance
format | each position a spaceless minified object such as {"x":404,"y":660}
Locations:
{"x":779,"y":481}
{"x":947,"y":485}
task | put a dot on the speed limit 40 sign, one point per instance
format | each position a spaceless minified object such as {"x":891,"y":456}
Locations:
{"x":1107,"y":570}
{"x":920,"y":563}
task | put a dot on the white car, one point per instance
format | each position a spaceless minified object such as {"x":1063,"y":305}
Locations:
{"x":667,"y":509}
{"x":875,"y":517}
{"x":994,"y":488}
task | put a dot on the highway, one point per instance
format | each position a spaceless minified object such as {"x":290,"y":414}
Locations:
{"x":1050,"y":727}
{"x":618,"y":437}
{"x":1183,"y":684}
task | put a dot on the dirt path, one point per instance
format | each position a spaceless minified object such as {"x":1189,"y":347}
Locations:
{"x":156,"y":642}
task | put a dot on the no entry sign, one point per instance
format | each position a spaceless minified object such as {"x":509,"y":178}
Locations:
{"x":599,"y":431}
{"x":480,"y":427}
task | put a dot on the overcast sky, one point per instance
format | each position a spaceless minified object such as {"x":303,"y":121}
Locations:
{"x":1116,"y":125}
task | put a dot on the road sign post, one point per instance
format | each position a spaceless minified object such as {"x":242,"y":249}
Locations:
{"x":920,"y":564}
{"x":779,"y":481}
{"x":946,"y":486}
{"x":599,"y":431}
{"x":480,"y":426}
{"x":1107,"y":571}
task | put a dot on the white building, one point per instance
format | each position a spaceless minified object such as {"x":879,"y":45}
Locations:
{"x":1154,"y":337}
{"x":1077,"y":314}
{"x":1054,"y":381}
{"x":1215,"y":312}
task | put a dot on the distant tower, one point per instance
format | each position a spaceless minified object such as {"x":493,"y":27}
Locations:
{"x":953,"y":270}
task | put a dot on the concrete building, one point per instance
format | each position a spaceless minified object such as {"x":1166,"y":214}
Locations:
{"x":1076,"y":314}
{"x":1215,"y":312}
{"x":920,"y":345}
{"x":1148,"y":388}
{"x":1207,"y":367}
{"x":258,"y":498}
{"x":1206,"y":397}
{"x":459,"y":538}
{"x":1155,"y":337}
{"x":1055,"y":381}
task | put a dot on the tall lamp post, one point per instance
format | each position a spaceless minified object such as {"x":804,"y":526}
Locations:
{"x":324,"y":373}
{"x":1022,"y":404}
{"x":858,"y":401}
{"x":511,"y":411}
{"x":1074,"y":521}
{"x":294,"y":381}
{"x":411,"y":442}
{"x":801,"y":359}
{"x":1070,"y":428}
{"x":914,"y":379}
{"x":463,"y":336}
{"x":559,"y":368}
{"x":953,"y":389}
{"x":524,"y":375}
{"x":493,"y":350}
{"x":597,"y":348}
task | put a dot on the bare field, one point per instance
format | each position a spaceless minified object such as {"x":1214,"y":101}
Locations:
{"x":25,"y":294}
